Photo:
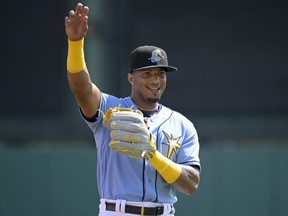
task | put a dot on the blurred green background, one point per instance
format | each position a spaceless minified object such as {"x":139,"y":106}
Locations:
{"x":232,"y":84}
{"x":235,"y":181}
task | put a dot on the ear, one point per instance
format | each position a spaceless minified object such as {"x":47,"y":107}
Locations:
{"x":130,"y":78}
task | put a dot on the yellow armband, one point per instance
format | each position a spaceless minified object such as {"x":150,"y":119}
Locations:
{"x":75,"y":58}
{"x":169,"y":170}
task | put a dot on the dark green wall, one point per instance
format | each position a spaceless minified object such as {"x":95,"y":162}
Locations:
{"x":236,"y":181}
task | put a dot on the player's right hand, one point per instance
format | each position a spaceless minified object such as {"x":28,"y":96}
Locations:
{"x":76,"y":23}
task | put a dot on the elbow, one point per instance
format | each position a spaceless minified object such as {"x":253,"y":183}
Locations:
{"x":193,"y":186}
{"x":189,"y":181}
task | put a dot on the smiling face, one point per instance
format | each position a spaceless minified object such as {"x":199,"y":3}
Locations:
{"x":147,"y":86}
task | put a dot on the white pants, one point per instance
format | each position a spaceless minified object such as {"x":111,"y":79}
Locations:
{"x":120,"y":207}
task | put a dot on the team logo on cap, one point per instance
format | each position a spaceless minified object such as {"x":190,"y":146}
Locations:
{"x":156,"y":56}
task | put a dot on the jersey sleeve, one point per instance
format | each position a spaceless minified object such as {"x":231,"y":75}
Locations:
{"x":189,"y":152}
{"x":106,"y":101}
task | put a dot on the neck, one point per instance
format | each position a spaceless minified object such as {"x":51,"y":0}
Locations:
{"x":147,"y":109}
{"x":155,"y":105}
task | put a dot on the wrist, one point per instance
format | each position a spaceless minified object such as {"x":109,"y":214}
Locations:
{"x":75,"y":58}
{"x":169,"y":170}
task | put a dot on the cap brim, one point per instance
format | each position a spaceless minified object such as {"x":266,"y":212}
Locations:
{"x":167,"y":68}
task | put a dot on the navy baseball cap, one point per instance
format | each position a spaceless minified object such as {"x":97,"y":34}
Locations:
{"x":144,"y":57}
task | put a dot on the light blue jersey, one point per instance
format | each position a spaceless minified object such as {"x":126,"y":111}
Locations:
{"x":122,"y":177}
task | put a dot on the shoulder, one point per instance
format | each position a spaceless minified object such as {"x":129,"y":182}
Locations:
{"x":178,"y":121}
{"x":107,"y":101}
{"x":176,"y":115}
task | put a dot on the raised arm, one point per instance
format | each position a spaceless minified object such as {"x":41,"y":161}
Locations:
{"x":86,"y":93}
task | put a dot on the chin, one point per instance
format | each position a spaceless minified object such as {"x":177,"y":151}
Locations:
{"x":153,"y":100}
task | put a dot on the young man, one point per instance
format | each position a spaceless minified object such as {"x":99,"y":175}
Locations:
{"x":129,"y":186}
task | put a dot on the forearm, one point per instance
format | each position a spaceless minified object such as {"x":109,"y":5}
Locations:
{"x":86,"y":93}
{"x":188,"y":181}
{"x":78,"y":76}
{"x":80,"y":83}
{"x":181,"y":177}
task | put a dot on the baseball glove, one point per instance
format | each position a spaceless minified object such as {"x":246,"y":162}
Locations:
{"x":129,"y":132}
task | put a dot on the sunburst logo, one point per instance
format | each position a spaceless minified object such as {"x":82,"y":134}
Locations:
{"x":172,"y":143}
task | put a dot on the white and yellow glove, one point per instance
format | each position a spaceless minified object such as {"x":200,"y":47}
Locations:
{"x":129,"y":132}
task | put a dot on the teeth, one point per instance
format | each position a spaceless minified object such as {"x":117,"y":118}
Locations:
{"x":154,"y":88}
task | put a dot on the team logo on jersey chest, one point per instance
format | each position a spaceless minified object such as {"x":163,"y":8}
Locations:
{"x":172,"y":143}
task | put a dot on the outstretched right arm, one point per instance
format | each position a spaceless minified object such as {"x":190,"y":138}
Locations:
{"x":86,"y":93}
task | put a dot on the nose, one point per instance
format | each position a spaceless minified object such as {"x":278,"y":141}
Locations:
{"x":155,"y":78}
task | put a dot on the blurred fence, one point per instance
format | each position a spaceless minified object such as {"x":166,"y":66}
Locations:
{"x":234,"y":181}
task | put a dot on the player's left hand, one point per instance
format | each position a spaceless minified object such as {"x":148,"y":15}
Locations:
{"x":129,"y":132}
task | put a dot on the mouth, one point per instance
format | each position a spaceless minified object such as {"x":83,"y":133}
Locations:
{"x":154,"y":89}
{"x":155,"y":94}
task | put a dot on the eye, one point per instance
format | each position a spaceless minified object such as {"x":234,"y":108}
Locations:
{"x":146,"y":74}
{"x":162,"y":74}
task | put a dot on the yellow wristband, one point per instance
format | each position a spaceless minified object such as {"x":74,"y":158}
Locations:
{"x":169,"y":170}
{"x":75,"y":58}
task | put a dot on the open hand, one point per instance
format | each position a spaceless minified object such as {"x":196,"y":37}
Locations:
{"x":76,"y":23}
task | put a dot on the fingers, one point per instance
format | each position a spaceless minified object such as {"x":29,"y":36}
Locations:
{"x":131,"y":137}
{"x":71,"y":13}
{"x":128,"y":126}
{"x":78,"y":8}
{"x":85,"y":11}
{"x":79,"y":11}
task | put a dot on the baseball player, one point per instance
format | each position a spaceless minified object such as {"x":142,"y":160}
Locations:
{"x":145,"y":151}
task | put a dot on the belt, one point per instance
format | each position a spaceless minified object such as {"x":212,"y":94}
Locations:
{"x":138,"y":210}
